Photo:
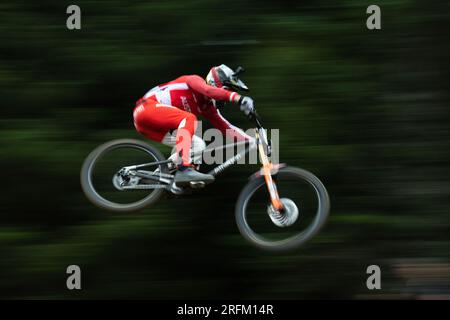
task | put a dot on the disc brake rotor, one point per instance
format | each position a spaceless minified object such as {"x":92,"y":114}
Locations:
{"x":286,"y":218}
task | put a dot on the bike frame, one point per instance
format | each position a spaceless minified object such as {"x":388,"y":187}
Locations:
{"x":261,"y":143}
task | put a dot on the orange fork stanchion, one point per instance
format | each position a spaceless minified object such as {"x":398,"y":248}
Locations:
{"x":271,"y":186}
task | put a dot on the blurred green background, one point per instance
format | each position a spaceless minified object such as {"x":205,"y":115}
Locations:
{"x":366,"y":111}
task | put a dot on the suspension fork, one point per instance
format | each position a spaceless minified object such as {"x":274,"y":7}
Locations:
{"x":267,"y":172}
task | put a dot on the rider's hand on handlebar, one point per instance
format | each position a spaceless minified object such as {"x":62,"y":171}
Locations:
{"x":247,"y":105}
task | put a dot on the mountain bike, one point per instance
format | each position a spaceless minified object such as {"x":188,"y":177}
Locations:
{"x":279,"y":209}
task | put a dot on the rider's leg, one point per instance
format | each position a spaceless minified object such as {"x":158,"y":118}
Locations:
{"x":170,"y":140}
{"x":185,"y":131}
{"x":197,"y":147}
{"x":154,"y":120}
{"x":186,"y":174}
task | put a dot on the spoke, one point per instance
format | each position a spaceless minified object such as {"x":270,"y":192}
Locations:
{"x":146,"y":187}
{"x":157,"y":174}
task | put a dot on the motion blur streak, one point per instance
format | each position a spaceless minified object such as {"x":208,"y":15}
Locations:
{"x":365,"y":110}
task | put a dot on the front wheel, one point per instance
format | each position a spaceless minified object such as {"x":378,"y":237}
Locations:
{"x":307,"y":203}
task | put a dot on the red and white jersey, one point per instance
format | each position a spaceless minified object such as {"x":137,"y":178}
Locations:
{"x":191,"y":93}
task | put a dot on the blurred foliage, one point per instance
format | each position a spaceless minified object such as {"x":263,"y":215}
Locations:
{"x":366,"y":111}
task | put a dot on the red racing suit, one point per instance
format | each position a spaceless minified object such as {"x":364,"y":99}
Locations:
{"x":175,"y":105}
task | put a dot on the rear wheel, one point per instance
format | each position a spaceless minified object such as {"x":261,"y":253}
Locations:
{"x":307,"y":207}
{"x":106,"y":186}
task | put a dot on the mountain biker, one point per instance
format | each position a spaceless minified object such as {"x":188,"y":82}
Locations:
{"x":167,"y":114}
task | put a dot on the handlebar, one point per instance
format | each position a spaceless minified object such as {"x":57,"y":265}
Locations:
{"x":254,"y":116}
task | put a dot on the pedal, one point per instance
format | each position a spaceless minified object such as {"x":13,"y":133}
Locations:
{"x":197,"y":184}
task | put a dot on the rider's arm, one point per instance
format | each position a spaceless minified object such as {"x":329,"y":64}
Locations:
{"x":213,"y":115}
{"x":199,"y":85}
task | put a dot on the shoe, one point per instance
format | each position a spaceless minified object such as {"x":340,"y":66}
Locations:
{"x":185,"y":175}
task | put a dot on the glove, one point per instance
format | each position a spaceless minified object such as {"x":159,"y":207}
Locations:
{"x":246,"y":105}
